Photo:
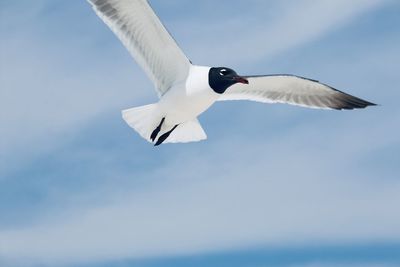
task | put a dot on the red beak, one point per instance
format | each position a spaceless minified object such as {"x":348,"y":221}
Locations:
{"x":240,"y":79}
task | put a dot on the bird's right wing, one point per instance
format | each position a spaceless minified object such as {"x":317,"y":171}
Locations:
{"x":293,"y":90}
{"x":140,"y":30}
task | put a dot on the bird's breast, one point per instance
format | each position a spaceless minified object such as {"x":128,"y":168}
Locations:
{"x":186,"y":101}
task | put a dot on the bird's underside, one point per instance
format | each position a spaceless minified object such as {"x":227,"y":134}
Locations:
{"x":154,"y":49}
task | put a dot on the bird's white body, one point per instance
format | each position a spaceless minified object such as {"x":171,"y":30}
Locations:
{"x":180,"y":105}
{"x":185,"y":101}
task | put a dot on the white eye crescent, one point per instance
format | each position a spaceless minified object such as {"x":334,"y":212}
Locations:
{"x":223,"y":72}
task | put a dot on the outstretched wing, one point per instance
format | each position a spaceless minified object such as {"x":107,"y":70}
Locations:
{"x":293,"y":90}
{"x":148,"y":41}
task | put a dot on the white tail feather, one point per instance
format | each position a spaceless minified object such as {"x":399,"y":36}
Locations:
{"x":145,"y":119}
{"x":142,"y":119}
{"x":190,"y":131}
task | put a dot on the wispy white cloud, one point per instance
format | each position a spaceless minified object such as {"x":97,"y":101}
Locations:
{"x":232,"y":200}
{"x":52,"y":84}
{"x":290,"y":25}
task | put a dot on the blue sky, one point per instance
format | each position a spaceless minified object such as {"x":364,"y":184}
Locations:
{"x":274,"y":185}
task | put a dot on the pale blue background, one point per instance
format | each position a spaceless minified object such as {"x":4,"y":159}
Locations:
{"x":274,"y":185}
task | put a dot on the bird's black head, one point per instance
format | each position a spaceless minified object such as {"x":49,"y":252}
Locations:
{"x":222,"y":78}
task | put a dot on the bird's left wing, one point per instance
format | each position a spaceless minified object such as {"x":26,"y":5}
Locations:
{"x":138,"y":27}
{"x":293,"y":90}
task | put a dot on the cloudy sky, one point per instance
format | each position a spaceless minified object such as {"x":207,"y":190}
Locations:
{"x":273,"y":185}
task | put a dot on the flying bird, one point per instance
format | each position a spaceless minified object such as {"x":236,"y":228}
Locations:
{"x":186,"y":90}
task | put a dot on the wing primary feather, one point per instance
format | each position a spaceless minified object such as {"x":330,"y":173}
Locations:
{"x":136,"y":24}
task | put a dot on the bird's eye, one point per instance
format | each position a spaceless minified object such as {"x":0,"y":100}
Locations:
{"x":223,"y":72}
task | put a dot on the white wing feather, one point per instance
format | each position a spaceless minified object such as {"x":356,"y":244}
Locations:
{"x":292,"y":90}
{"x":139,"y":29}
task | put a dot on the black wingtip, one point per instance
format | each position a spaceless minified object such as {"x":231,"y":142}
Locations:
{"x":369,"y":104}
{"x":349,"y":102}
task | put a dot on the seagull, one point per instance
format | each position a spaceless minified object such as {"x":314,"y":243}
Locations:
{"x":186,"y":90}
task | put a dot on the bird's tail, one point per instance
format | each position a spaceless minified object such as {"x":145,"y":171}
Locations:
{"x":145,"y":119}
{"x":190,"y":131}
{"x":142,"y":119}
